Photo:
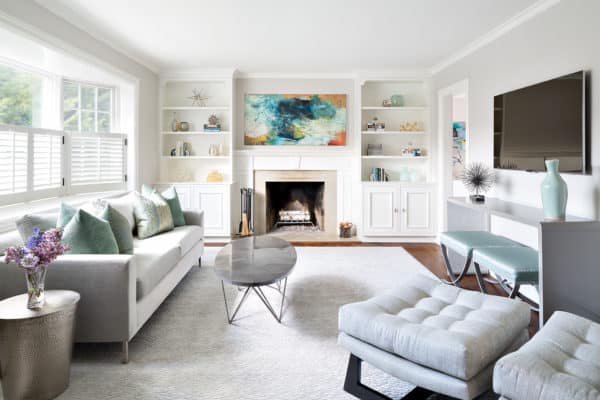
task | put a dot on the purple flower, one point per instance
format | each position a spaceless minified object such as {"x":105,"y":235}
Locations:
{"x":35,"y":239}
{"x":39,"y":251}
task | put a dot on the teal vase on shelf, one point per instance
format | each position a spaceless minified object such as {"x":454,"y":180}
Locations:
{"x":554,"y":193}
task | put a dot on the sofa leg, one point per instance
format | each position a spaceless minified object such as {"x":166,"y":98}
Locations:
{"x":353,"y":386}
{"x":125,"y":352}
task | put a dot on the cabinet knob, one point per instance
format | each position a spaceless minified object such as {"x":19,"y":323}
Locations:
{"x":404,"y":210}
{"x":396,"y":210}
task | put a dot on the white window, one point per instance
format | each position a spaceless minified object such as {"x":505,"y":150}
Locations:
{"x":87,"y":108}
{"x":36,"y":163}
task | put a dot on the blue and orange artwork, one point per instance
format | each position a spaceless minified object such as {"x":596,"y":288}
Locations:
{"x":295,"y":119}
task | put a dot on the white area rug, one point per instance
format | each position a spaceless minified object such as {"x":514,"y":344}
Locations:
{"x":188,"y":350}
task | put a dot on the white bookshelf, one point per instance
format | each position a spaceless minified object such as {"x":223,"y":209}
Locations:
{"x":175,"y":101}
{"x":189,"y":173}
{"x":394,"y":138}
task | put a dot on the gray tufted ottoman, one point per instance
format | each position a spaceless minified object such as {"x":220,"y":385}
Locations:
{"x":561,"y":362}
{"x":438,"y":337}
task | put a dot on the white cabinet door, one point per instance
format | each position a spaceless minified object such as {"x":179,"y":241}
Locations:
{"x":417,"y":210}
{"x":214,"y":201}
{"x":380,"y":209}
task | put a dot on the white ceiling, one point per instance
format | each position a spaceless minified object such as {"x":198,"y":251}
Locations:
{"x":301,"y":36}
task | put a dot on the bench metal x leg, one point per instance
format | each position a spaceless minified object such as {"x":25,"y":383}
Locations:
{"x":455,"y":279}
{"x":353,"y":385}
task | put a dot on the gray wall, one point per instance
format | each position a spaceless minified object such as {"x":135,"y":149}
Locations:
{"x":59,"y":30}
{"x":560,"y":40}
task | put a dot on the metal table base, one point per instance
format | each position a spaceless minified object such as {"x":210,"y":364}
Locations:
{"x":261,"y":295}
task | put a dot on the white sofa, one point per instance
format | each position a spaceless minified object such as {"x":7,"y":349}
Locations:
{"x":119,"y":293}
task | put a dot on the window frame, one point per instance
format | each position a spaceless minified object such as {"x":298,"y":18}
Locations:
{"x":114,"y":117}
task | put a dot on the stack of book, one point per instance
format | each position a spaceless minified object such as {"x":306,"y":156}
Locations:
{"x":212,"y":127}
{"x":379,"y":175}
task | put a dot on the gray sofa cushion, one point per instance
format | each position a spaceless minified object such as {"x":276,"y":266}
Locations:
{"x":153,"y":263}
{"x":458,"y":332}
{"x":561,"y":362}
{"x":157,"y":255}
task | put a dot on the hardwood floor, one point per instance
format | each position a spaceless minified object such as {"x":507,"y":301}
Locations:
{"x":428,"y":254}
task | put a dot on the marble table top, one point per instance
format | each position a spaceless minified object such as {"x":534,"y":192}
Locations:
{"x":255,"y":261}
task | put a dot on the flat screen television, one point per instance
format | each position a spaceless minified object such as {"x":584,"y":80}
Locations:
{"x":541,"y":122}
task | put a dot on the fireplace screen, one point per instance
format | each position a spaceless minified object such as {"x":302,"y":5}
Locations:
{"x":295,"y":206}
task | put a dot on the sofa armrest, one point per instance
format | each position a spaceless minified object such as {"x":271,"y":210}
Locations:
{"x":106,"y":283}
{"x":194,"y":218}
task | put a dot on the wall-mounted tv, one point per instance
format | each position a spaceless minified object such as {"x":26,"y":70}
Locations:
{"x":541,"y":122}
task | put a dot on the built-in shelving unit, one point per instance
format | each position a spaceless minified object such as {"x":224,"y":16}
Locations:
{"x":396,"y":139}
{"x":189,"y":173}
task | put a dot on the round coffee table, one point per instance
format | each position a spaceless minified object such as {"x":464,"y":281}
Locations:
{"x":253,"y":263}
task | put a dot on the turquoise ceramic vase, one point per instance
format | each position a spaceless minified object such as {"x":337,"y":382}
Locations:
{"x":554,"y":193}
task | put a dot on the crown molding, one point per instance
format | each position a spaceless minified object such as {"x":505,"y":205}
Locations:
{"x":530,"y":12}
{"x":75,"y":20}
{"x":295,"y":75}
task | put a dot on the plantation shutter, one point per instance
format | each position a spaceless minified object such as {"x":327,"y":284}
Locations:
{"x":13,"y":161}
{"x":97,"y":158}
{"x":47,"y":158}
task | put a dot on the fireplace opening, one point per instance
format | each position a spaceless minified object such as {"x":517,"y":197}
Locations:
{"x":295,"y":206}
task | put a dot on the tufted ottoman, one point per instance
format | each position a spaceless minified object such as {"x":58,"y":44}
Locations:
{"x":561,"y":362}
{"x":438,"y":337}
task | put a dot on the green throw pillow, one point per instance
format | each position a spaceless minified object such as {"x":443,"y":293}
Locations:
{"x":172,"y":199}
{"x":120,"y":228}
{"x":65,"y":214}
{"x":146,"y":216}
{"x":27,"y":222}
{"x":86,"y":234}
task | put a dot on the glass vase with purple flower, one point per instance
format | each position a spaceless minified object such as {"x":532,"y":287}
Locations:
{"x":34,"y":257}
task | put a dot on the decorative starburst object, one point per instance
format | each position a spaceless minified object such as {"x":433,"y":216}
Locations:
{"x":198,"y":98}
{"x":478,"y":178}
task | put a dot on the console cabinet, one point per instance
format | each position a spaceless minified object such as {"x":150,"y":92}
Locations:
{"x":213,"y":199}
{"x":398,"y":209}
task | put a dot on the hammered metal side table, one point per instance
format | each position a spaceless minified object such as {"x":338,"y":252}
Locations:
{"x":36,"y":345}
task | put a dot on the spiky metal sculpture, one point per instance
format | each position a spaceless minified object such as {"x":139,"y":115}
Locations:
{"x":198,"y":98}
{"x":478,"y":178}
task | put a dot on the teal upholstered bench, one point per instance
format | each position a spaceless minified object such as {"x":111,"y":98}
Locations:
{"x":463,"y":243}
{"x":517,"y":265}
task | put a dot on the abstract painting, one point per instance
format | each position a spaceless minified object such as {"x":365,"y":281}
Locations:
{"x":295,"y":119}
{"x":459,"y":140}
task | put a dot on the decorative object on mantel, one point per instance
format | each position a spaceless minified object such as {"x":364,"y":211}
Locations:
{"x":346,"y":229}
{"x":173,"y":152}
{"x":397,"y":100}
{"x":478,"y":178}
{"x":295,"y":119}
{"x":378,"y":175}
{"x":34,"y":257}
{"x":214,"y":124}
{"x":175,"y":124}
{"x":214,"y":176}
{"x":184,"y":126}
{"x":198,"y":98}
{"x":386,"y":103}
{"x":374,"y":149}
{"x":554,"y":193}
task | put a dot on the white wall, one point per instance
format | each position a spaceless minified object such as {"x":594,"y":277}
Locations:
{"x":343,"y":159}
{"x":63,"y":36}
{"x":562,"y":39}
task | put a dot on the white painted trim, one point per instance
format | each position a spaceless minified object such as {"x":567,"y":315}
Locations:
{"x":295,"y":75}
{"x":530,"y":12}
{"x":461,"y":87}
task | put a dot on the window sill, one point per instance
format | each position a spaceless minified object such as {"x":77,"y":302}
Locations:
{"x":10,"y":213}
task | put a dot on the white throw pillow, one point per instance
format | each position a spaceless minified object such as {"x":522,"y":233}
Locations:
{"x":124,"y":205}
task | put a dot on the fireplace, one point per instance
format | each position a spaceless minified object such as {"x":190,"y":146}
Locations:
{"x":298,"y":200}
{"x":294,"y":206}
